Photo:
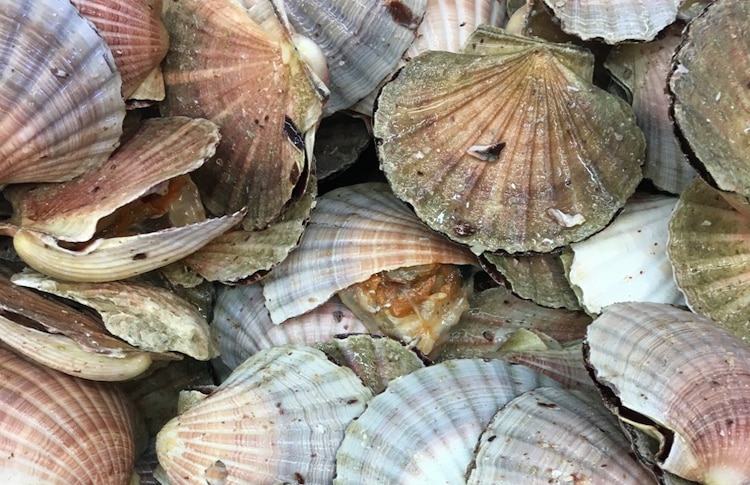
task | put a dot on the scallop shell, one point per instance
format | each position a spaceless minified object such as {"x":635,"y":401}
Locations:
{"x":627,"y":261}
{"x":354,"y":232}
{"x":243,"y":326}
{"x":249,"y":79}
{"x":54,"y":63}
{"x":643,"y":69}
{"x":279,"y":417}
{"x":614,"y":21}
{"x":490,"y":164}
{"x":362,"y":40}
{"x":681,"y":379}
{"x":433,"y":415}
{"x":556,"y":436}
{"x":711,"y":113}
{"x":709,"y":244}
{"x":134,"y":33}
{"x":565,"y":365}
{"x":61,"y":429}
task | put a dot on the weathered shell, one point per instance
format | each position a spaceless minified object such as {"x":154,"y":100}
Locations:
{"x":434,"y":415}
{"x":627,"y":261}
{"x":513,"y":149}
{"x":614,"y":20}
{"x":709,"y":248}
{"x":682,"y":380}
{"x":280,"y":417}
{"x":353,"y":233}
{"x":710,"y":111}
{"x":61,"y":429}
{"x":134,"y":33}
{"x":53,"y":65}
{"x":556,"y":436}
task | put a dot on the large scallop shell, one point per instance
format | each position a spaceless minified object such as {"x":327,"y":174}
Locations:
{"x":354,"y":232}
{"x":513,"y":149}
{"x":60,"y":429}
{"x":709,"y":110}
{"x":60,"y":97}
{"x":434,"y":415}
{"x":681,"y":379}
{"x":279,"y":418}
{"x":555,"y":436}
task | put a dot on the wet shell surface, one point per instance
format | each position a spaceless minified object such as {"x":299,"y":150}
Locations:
{"x":614,"y":21}
{"x":712,"y":113}
{"x":433,"y":415}
{"x":354,"y":232}
{"x":61,"y":429}
{"x":53,"y":64}
{"x":709,"y":248}
{"x":511,"y":150}
{"x":280,"y":417}
{"x":555,"y":436}
{"x":683,"y":381}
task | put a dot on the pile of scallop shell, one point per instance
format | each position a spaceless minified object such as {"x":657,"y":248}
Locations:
{"x":375,"y":242}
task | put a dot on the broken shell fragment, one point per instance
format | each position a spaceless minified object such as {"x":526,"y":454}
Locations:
{"x":279,"y":418}
{"x":513,"y":149}
{"x":682,"y":381}
{"x":55,"y":63}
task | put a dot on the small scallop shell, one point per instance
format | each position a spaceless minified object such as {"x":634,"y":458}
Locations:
{"x":555,"y":436}
{"x":681,"y":379}
{"x":532,"y":160}
{"x":134,"y":33}
{"x":434,"y":415}
{"x":627,"y":261}
{"x":280,"y":417}
{"x":614,"y":21}
{"x":710,"y":111}
{"x":53,"y":65}
{"x":565,"y":365}
{"x":60,"y":429}
{"x":354,"y":232}
{"x":709,"y":244}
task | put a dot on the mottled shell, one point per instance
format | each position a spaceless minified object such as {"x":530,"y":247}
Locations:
{"x":280,"y":417}
{"x":711,"y":111}
{"x":513,"y":149}
{"x":61,"y":429}
{"x":353,"y":233}
{"x":556,"y":436}
{"x":432,"y":416}
{"x":53,"y":65}
{"x":682,"y":380}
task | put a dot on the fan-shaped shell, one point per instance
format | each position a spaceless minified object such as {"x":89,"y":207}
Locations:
{"x":513,"y":149}
{"x":711,"y":111}
{"x":279,"y":417}
{"x":432,"y":416}
{"x":354,"y":232}
{"x":61,"y":429}
{"x":682,"y":378}
{"x":556,"y":436}
{"x":59,"y":94}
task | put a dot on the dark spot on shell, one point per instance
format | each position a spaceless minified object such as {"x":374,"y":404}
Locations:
{"x":464,"y":229}
{"x":292,"y":132}
{"x":338,"y":315}
{"x":547,"y":405}
{"x":352,"y":401}
{"x":491,"y":438}
{"x":488,"y":336}
{"x":298,"y":476}
{"x":139,"y":256}
{"x":401,"y":14}
{"x":729,"y":422}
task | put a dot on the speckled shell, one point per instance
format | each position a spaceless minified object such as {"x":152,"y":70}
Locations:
{"x":354,"y":232}
{"x":513,"y":149}
{"x":709,"y":244}
{"x":280,"y":417}
{"x":436,"y":413}
{"x":614,"y":20}
{"x":134,"y":33}
{"x":690,"y":380}
{"x":60,"y":429}
{"x":710,"y":111}
{"x":53,"y":65}
{"x":555,"y":436}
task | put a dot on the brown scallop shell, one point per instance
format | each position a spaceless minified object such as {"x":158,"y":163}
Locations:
{"x":513,"y":149}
